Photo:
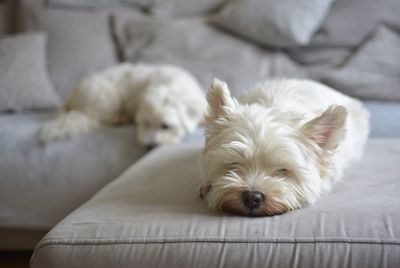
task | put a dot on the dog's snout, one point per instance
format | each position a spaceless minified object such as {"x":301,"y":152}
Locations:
{"x":151,"y":146}
{"x":252,"y":199}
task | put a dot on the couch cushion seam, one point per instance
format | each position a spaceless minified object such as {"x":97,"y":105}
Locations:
{"x":111,"y":242}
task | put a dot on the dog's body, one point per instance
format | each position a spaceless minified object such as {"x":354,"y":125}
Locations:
{"x":165,"y":102}
{"x":278,"y":148}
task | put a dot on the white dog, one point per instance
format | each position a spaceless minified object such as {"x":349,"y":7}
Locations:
{"x":165,"y":102}
{"x":278,"y":148}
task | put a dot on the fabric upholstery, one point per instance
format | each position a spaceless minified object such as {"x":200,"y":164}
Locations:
{"x":80,"y":42}
{"x":24,"y":82}
{"x":152,"y":216}
{"x":40,"y":184}
{"x":156,"y":7}
{"x":350,"y":21}
{"x":274,"y":23}
{"x":183,"y":7}
{"x":53,"y":180}
{"x":373,"y":72}
{"x":200,"y":48}
{"x":384,"y":118}
{"x":99,"y":3}
{"x":347,"y":25}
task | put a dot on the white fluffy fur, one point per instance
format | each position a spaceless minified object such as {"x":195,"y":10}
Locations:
{"x":286,"y":139}
{"x":164,"y":101}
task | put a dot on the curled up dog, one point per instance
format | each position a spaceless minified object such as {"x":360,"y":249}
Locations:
{"x":278,"y":148}
{"x":165,"y":102}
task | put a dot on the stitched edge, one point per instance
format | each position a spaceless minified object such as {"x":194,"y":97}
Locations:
{"x":102,"y":242}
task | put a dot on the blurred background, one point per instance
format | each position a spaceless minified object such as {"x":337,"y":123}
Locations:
{"x":47,"y":46}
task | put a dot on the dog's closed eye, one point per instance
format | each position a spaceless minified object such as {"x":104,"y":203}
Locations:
{"x":234,"y":165}
{"x":165,"y":126}
{"x":281,"y":172}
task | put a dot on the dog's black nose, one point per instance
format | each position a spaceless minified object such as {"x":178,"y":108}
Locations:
{"x":151,"y":146}
{"x":252,"y":199}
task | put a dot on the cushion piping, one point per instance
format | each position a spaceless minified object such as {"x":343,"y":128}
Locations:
{"x":92,"y":242}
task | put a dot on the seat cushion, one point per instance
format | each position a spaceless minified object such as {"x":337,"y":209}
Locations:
{"x":55,"y":179}
{"x":152,"y":216}
{"x":40,"y":185}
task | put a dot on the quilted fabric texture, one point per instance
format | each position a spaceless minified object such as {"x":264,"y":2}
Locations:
{"x":274,"y":23}
{"x":373,"y":72}
{"x":152,"y":216}
{"x":200,"y":48}
{"x":24,"y":83}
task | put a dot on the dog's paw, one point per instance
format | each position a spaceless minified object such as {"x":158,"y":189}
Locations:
{"x":50,"y":133}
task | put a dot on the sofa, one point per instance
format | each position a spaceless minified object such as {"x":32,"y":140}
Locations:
{"x":151,"y":216}
{"x":47,"y":46}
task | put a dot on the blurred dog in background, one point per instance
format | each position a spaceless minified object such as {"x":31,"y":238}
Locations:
{"x":165,"y":102}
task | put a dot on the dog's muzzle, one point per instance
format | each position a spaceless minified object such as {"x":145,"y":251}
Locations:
{"x":252,"y":199}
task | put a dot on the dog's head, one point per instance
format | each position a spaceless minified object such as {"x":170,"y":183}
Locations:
{"x":260,"y":161}
{"x":164,"y":117}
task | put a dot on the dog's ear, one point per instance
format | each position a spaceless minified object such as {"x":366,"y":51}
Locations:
{"x":328,"y":129}
{"x":219,"y":99}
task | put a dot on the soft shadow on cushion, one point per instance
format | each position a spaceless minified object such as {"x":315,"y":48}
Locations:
{"x":7,"y":17}
{"x":24,"y":82}
{"x":373,"y":72}
{"x":200,"y":48}
{"x":274,"y":23}
{"x":79,"y":42}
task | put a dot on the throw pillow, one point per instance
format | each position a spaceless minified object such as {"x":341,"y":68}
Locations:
{"x":24,"y":83}
{"x":274,"y":23}
{"x":200,"y":48}
{"x":157,"y":7}
{"x":80,"y":42}
{"x":373,"y":72}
